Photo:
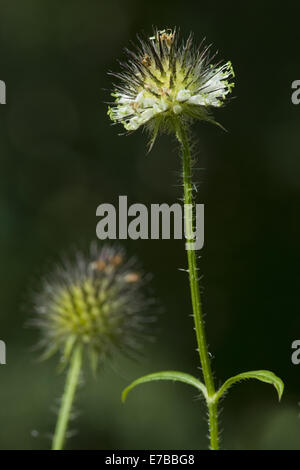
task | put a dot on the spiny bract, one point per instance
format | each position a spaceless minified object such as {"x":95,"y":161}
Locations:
{"x":96,"y":301}
{"x":164,"y":80}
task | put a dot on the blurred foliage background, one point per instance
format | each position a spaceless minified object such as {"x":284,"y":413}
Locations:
{"x":60,"y":158}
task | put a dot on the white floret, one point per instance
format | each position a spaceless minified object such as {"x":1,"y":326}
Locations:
{"x":198,"y":100}
{"x":177,"y":108}
{"x":183,"y":95}
{"x":144,"y":109}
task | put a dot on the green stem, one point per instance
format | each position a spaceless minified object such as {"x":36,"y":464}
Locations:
{"x":194,"y":286}
{"x":213,"y":425}
{"x":67,"y":399}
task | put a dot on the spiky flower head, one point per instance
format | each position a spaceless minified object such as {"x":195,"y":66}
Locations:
{"x":164,"y":80}
{"x":97,"y":301}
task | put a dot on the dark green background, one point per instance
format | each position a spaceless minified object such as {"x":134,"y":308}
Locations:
{"x":61,"y":158}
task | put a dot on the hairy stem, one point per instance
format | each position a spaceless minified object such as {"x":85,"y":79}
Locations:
{"x":67,"y":399}
{"x":194,"y":285}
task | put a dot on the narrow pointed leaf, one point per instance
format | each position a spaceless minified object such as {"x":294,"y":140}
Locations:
{"x":166,"y":375}
{"x":153,"y":137}
{"x":262,"y":375}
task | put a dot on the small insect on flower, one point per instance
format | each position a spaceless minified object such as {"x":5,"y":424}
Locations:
{"x":98,"y":302}
{"x":164,"y":80}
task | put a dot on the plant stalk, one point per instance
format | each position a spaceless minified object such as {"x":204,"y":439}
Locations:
{"x":181,"y":134}
{"x":67,"y":399}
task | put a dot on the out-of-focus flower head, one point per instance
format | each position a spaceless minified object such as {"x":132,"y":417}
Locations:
{"x":98,"y":301}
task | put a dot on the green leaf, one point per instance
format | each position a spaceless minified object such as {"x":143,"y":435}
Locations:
{"x":166,"y":375}
{"x":262,"y":375}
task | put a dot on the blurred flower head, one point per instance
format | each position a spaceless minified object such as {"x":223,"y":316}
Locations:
{"x":97,"y":301}
{"x":163,"y":80}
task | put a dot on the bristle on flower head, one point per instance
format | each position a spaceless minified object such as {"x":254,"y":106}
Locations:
{"x":163,"y":80}
{"x":97,"y":301}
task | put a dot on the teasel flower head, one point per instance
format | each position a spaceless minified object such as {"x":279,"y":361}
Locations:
{"x":97,"y":301}
{"x":164,"y":80}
